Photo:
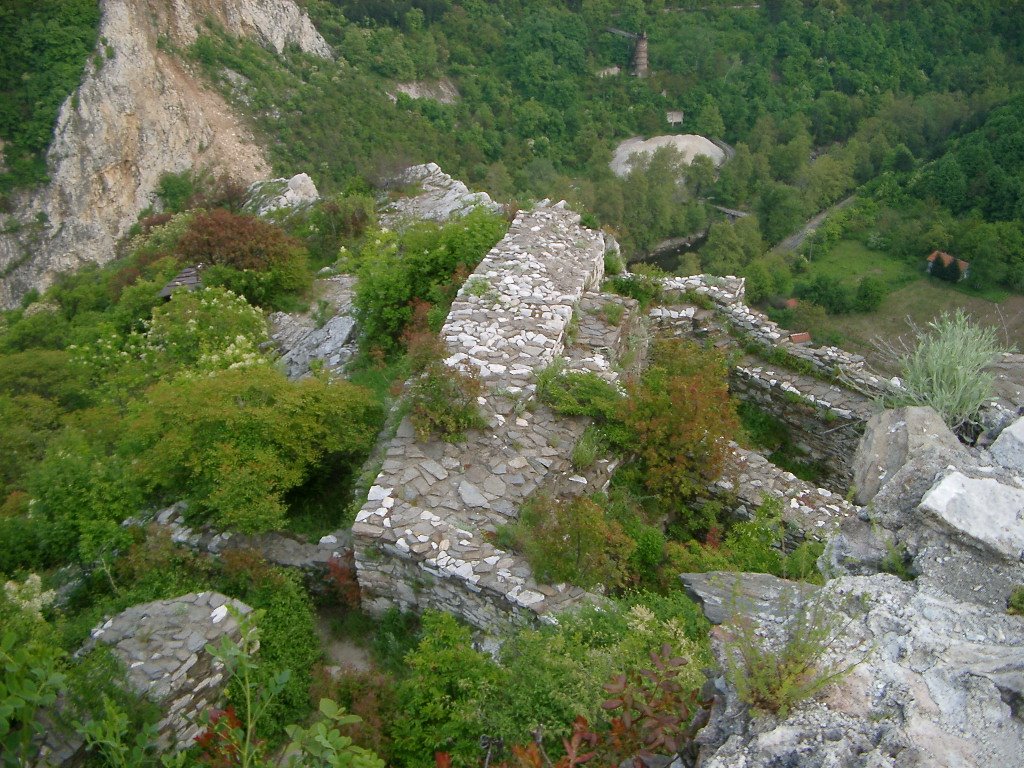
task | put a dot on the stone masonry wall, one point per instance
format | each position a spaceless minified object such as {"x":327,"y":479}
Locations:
{"x":163,"y":647}
{"x":423,"y":537}
{"x":825,"y":419}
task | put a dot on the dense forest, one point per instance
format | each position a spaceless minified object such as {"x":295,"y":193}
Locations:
{"x":115,"y":403}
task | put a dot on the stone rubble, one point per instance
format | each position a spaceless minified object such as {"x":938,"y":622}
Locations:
{"x":163,"y":646}
{"x":313,"y":559}
{"x":728,"y":295}
{"x":301,"y":340}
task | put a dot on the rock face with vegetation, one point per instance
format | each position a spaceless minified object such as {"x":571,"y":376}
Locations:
{"x":934,"y":665}
{"x":139,"y":113}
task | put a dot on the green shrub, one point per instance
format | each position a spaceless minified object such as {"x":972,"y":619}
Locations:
{"x":1015,"y":603}
{"x":288,"y":639}
{"x":235,"y":442}
{"x":946,"y":368}
{"x":643,"y":284}
{"x":246,"y":255}
{"x":84,"y":495}
{"x":443,"y":401}
{"x":32,"y":676}
{"x":209,"y":329}
{"x":573,"y":541}
{"x":680,"y":418}
{"x":443,"y":700}
{"x":577,"y":393}
{"x":774,"y":676}
{"x":587,"y":449}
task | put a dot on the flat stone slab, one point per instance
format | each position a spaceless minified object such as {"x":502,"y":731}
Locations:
{"x":1008,"y":449}
{"x":724,"y":594}
{"x":984,"y":510}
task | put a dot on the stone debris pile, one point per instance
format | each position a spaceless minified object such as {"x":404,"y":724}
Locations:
{"x":808,"y":511}
{"x":302,"y":339}
{"x":163,"y":646}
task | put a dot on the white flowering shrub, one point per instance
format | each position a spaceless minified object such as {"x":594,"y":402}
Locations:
{"x":207,"y":330}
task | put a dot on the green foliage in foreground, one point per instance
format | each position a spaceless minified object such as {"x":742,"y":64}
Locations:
{"x":946,"y":368}
{"x":453,"y":693}
{"x":237,"y":441}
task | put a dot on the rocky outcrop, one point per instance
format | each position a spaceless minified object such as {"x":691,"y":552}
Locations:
{"x":438,"y":197}
{"x":936,"y":683}
{"x":937,"y":665}
{"x":892,"y":438}
{"x":284,"y":195}
{"x":138,"y":113}
{"x":323,"y":336}
{"x":163,"y":646}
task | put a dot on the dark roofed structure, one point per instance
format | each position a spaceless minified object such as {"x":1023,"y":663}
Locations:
{"x":189,"y":278}
{"x":945,"y":260}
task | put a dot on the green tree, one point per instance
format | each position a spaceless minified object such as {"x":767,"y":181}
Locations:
{"x":709,"y":121}
{"x":235,"y":442}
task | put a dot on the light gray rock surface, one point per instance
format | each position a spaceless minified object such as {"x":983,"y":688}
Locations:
{"x":281,"y":195}
{"x":136,"y":116}
{"x":983,"y":510}
{"x":326,"y":333}
{"x":936,"y":683}
{"x":1008,"y":449}
{"x":723,"y":595}
{"x":938,"y":671}
{"x":894,"y":437}
{"x":439,"y":197}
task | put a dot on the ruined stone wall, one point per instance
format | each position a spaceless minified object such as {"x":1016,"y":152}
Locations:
{"x":162,"y":645}
{"x":424,"y":537}
{"x":825,"y":418}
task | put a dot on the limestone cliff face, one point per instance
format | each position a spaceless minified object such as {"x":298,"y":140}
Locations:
{"x":136,"y":116}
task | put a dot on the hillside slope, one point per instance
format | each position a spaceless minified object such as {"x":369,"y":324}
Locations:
{"x":138,"y":113}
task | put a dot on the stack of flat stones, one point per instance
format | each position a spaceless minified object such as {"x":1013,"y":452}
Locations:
{"x":808,"y":511}
{"x":423,"y":539}
{"x":163,"y":647}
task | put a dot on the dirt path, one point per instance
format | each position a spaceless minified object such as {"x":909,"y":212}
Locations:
{"x":795,"y":240}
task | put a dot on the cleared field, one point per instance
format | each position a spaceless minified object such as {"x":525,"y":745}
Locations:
{"x":922,"y":301}
{"x":850,"y":260}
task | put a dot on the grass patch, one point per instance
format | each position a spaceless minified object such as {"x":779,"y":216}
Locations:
{"x":849,"y":261}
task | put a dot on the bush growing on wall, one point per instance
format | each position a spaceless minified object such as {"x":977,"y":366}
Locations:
{"x":681,"y":418}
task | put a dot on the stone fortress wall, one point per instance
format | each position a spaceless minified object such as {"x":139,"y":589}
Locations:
{"x":424,"y":536}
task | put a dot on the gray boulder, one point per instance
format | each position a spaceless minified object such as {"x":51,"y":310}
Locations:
{"x":893,"y":438}
{"x":1008,"y":449}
